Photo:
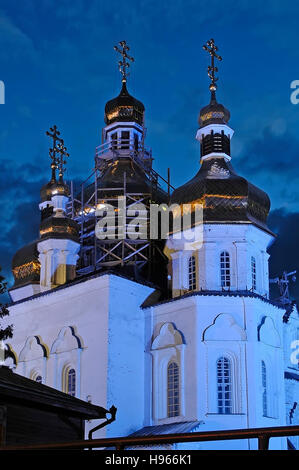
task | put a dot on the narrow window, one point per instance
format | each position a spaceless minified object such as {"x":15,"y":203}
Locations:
{"x":264,"y":393}
{"x":136,"y":143}
{"x":114,"y":140}
{"x":224,"y":386}
{"x":125,"y":139}
{"x":253,"y":273}
{"x":192,"y":273}
{"x":225,"y":269}
{"x":71,"y":382}
{"x":173,"y":398}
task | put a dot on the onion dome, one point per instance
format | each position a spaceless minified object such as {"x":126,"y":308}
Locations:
{"x":124,"y":108}
{"x":59,"y":227}
{"x":225,"y":196}
{"x":26,"y":266}
{"x":53,"y":188}
{"x":136,"y":181}
{"x":213,"y":113}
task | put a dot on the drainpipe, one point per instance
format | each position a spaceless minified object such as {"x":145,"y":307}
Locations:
{"x":112,"y":411}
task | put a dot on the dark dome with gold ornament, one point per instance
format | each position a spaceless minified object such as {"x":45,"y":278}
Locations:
{"x":213,"y":113}
{"x":124,"y":108}
{"x":26,"y":265}
{"x":225,"y":196}
{"x":59,"y":227}
{"x":53,"y":188}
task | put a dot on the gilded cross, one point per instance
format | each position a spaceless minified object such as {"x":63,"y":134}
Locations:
{"x":54,"y":150}
{"x":212,"y":49}
{"x":62,"y":150}
{"x":123,"y":64}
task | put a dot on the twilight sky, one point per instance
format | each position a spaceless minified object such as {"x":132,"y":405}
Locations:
{"x":59,"y":67}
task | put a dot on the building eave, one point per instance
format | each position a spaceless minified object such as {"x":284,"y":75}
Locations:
{"x":211,"y":293}
{"x":80,"y":280}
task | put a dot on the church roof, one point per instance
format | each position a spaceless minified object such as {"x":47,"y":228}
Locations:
{"x":291,"y":376}
{"x":225,"y":196}
{"x":83,"y":278}
{"x":14,"y":387}
{"x":171,"y":428}
{"x":152,"y":300}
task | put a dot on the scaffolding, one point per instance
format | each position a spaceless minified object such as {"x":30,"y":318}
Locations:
{"x":141,"y":257}
{"x":283,"y":285}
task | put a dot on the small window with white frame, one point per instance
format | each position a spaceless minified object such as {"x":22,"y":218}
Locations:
{"x":265,"y":389}
{"x":173,"y":387}
{"x":192,"y":273}
{"x":71,"y":382}
{"x":168,"y":374}
{"x":225,"y":269}
{"x":224,"y":386}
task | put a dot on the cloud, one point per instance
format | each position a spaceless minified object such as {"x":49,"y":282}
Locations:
{"x":270,"y":152}
{"x":20,"y":186}
{"x":271,"y":162}
{"x":284,"y":251}
{"x":14,"y":40}
{"x":20,"y":217}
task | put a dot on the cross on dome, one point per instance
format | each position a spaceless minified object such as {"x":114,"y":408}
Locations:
{"x":123,"y":64}
{"x":211,"y":48}
{"x":58,"y":153}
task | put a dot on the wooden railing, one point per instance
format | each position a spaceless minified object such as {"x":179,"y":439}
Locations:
{"x":120,"y":443}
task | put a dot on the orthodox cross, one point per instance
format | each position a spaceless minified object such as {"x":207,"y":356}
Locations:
{"x":211,"y":48}
{"x":53,"y":151}
{"x":123,"y":64}
{"x":62,"y":151}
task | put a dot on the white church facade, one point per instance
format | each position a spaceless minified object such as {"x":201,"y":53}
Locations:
{"x":177,"y":339}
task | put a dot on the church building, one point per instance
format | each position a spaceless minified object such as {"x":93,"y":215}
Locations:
{"x":179,"y":337}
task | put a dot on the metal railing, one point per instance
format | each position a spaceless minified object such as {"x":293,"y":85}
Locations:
{"x":120,"y":443}
{"x":121,"y":144}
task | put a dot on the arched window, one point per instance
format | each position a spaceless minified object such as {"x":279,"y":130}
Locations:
{"x":173,"y":397}
{"x":265,"y":391}
{"x":225,"y":269}
{"x":36,"y":376}
{"x":71,"y":382}
{"x":253,"y":273}
{"x":192,"y":273}
{"x":224,"y":386}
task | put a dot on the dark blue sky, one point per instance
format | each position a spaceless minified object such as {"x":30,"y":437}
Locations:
{"x":59,"y":67}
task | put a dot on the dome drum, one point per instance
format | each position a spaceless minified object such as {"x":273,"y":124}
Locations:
{"x":215,"y":143}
